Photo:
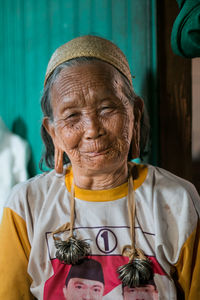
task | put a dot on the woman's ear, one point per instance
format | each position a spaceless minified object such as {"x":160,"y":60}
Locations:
{"x":58,"y":152}
{"x":138,"y":112}
{"x":58,"y":161}
{"x":48,"y":125}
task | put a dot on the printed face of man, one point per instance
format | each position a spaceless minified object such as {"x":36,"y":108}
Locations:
{"x":147,"y":292}
{"x":83,"y":289}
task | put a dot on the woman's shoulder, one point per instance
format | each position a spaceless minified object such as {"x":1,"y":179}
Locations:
{"x":167,"y":184}
{"x":161,"y":176}
{"x":32,"y":194}
{"x":40,"y":182}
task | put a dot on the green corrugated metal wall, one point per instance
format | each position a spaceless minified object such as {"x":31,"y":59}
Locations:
{"x":30,"y":30}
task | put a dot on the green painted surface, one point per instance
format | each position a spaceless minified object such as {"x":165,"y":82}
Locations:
{"x":30,"y":30}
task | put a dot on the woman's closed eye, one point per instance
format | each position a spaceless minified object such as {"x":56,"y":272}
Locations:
{"x":72,"y":115}
{"x":106,"y":109}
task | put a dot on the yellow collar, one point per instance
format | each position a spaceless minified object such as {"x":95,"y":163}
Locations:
{"x":106,"y":195}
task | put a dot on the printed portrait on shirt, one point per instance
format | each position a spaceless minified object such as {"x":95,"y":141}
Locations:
{"x":144,"y":292}
{"x":97,"y":276}
{"x":85,"y":281}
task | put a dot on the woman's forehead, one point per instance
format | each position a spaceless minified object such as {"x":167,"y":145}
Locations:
{"x":87,"y":78}
{"x":94,"y":70}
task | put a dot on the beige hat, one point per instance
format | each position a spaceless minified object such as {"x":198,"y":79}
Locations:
{"x":89,"y":46}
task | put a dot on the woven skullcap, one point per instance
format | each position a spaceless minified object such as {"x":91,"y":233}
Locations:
{"x":89,"y":46}
{"x":87,"y":269}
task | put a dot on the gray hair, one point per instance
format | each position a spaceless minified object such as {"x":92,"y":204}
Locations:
{"x":48,"y":154}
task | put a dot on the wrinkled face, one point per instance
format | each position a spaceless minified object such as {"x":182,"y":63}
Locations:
{"x":147,"y":292}
{"x":93,"y":119}
{"x":83,"y":289}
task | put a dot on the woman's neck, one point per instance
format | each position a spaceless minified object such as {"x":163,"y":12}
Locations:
{"x":98,"y":180}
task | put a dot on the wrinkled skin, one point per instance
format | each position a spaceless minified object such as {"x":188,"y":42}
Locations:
{"x":83,"y":289}
{"x":93,"y":124}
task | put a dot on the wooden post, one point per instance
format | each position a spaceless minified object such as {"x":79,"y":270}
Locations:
{"x":175,"y":100}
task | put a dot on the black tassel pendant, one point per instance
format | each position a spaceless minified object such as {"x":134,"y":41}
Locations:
{"x":72,"y":250}
{"x":136,"y":273}
{"x":139,"y":269}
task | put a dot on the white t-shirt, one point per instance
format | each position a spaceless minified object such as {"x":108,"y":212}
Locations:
{"x":166,"y":229}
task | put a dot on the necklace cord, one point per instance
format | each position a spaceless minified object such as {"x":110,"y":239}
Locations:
{"x":72,"y":209}
{"x":131,"y":211}
{"x":128,"y":250}
{"x":68,"y":226}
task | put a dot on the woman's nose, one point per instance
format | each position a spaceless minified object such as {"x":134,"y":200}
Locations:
{"x":93,"y":128}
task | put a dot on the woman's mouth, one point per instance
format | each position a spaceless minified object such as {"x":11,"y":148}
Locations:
{"x":96,"y":153}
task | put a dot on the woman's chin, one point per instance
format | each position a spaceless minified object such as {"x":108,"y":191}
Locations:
{"x":100,"y":162}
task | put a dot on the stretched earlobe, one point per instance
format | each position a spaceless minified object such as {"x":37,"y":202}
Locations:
{"x":58,"y":162}
{"x":135,"y":147}
{"x":48,"y":125}
{"x":58,"y":153}
{"x":135,"y":143}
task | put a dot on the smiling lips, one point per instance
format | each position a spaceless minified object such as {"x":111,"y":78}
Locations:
{"x":96,"y":153}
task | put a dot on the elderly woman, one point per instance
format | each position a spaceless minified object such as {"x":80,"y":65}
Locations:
{"x":138,"y":222}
